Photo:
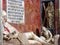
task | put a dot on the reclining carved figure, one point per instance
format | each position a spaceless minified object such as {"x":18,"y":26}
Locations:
{"x":29,"y":35}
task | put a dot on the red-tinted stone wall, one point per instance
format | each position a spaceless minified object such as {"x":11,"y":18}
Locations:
{"x":4,"y":4}
{"x":32,"y":16}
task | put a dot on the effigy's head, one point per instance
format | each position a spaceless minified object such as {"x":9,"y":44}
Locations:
{"x":4,"y":16}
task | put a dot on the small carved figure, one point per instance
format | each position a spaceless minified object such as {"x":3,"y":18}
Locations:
{"x":49,"y":14}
